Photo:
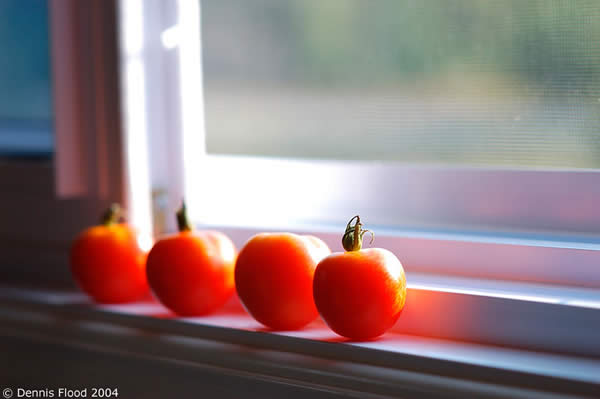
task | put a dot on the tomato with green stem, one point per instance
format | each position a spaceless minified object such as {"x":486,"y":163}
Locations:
{"x":359,"y":293}
{"x":191,"y":272}
{"x":273,"y":278}
{"x":107,"y":262}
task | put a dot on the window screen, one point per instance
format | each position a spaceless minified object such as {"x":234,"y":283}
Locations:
{"x":25,"y":94}
{"x":504,"y":82}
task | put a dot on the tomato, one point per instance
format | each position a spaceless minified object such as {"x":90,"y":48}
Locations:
{"x":273,"y":278}
{"x":107,"y":262}
{"x":191,"y":272}
{"x":359,"y":293}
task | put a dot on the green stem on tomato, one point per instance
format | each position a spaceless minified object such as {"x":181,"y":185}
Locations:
{"x":352,"y":239}
{"x":183,"y":221}
{"x":112,"y":215}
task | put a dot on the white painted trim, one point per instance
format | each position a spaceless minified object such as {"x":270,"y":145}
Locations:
{"x":282,"y":192}
{"x":132,"y":43}
{"x":462,"y":255}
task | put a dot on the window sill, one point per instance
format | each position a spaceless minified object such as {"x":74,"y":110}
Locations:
{"x":398,"y":363}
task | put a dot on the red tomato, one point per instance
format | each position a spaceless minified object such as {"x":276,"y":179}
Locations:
{"x":273,"y":278}
{"x":191,"y":272}
{"x":107,"y":263}
{"x":359,"y":293}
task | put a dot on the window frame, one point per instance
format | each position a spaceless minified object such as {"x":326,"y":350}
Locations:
{"x":524,"y":224}
{"x":520,"y":224}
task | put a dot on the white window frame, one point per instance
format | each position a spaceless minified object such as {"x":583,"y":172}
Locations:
{"x":499,"y":223}
{"x":512,"y":214}
{"x":512,"y":262}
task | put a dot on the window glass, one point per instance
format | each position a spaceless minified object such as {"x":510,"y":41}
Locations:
{"x":500,"y":83}
{"x":25,"y":92}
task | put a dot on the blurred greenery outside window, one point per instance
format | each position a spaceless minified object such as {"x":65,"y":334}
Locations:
{"x":504,"y":83}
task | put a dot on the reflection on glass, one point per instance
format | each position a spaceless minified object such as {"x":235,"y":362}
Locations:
{"x":508,"y":82}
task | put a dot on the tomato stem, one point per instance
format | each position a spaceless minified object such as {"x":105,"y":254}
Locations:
{"x":112,"y":215}
{"x":352,"y":238}
{"x":183,"y":221}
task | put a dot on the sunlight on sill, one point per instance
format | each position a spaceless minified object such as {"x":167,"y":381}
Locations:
{"x":518,"y":291}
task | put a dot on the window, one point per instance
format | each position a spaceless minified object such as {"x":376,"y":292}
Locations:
{"x":454,"y":140}
{"x":502,"y":84}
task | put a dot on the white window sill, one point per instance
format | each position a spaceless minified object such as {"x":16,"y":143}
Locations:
{"x":397,"y":362}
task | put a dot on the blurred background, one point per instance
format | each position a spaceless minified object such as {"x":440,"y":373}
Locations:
{"x":508,"y":82}
{"x":26,"y":122}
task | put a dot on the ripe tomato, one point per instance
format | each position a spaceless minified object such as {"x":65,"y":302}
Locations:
{"x":107,"y":262}
{"x":359,"y":293}
{"x":273,"y":278}
{"x":191,"y":272}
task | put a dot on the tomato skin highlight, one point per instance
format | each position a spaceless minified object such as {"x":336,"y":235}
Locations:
{"x":360,"y":294}
{"x":108,"y":264}
{"x":191,"y":272}
{"x":273,"y":278}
